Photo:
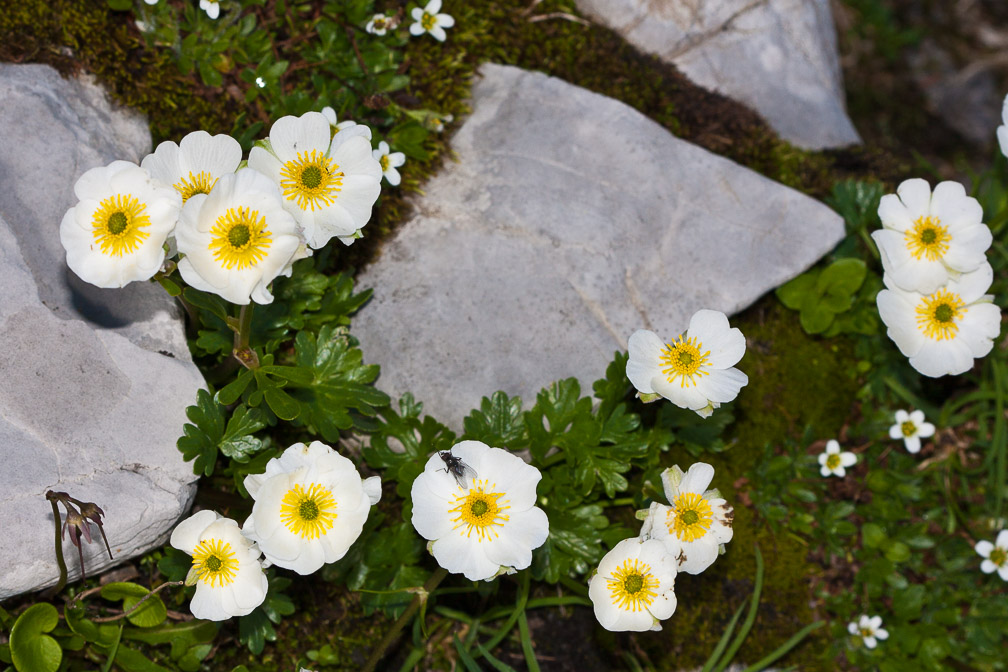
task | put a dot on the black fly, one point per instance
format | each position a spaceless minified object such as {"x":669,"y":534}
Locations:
{"x":463,"y":473}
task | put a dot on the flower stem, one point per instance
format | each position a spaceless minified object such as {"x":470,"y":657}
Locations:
{"x":59,"y":544}
{"x":421,"y":597}
{"x":242,"y":352}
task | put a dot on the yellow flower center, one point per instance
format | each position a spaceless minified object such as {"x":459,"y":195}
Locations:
{"x":384,"y":162}
{"x":927,"y":239}
{"x":999,"y":556}
{"x":937,"y":314}
{"x":428,"y":21}
{"x":867,"y":632}
{"x":309,"y":514}
{"x":632,"y":585}
{"x":683,"y":360}
{"x":239,"y":238}
{"x":479,"y":511}
{"x":833,"y":461}
{"x":908,"y":428}
{"x":690,"y":517}
{"x":215,"y":563}
{"x":118,"y":223}
{"x":379,"y":24}
{"x":311,"y":180}
{"x":200,"y":183}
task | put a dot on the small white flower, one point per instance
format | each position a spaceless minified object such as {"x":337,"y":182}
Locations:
{"x":429,"y":21}
{"x":869,"y":628}
{"x":260,"y":82}
{"x":489,"y":526}
{"x":211,"y":7}
{"x":194,"y":165}
{"x":995,"y":555}
{"x":697,"y":523}
{"x":151,"y":2}
{"x":229,"y":577}
{"x":697,"y":370}
{"x":944,"y":331}
{"x":389,"y":162}
{"x":237,"y":238}
{"x":911,"y":428}
{"x":116,"y":232}
{"x":928,"y":238}
{"x":1002,"y":131}
{"x":310,"y":506}
{"x":342,"y":131}
{"x":329,"y":185}
{"x":379,"y":24}
{"x":436,"y":124}
{"x":834,"y":462}
{"x":634,"y":587}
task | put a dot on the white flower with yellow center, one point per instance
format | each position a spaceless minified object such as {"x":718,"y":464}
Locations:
{"x":1002,"y":131}
{"x":697,"y":370}
{"x":834,"y":462}
{"x":195,"y":164}
{"x":428,"y":20}
{"x":483,"y":526}
{"x":310,"y":506}
{"x":995,"y":555}
{"x":634,"y":586}
{"x":944,"y":331}
{"x":328,"y":184}
{"x":379,"y":24}
{"x":928,"y":238}
{"x":911,"y":428}
{"x":116,"y":232}
{"x":389,"y":162}
{"x":226,"y":569}
{"x":696,"y":524}
{"x":237,"y":239}
{"x":869,"y":629}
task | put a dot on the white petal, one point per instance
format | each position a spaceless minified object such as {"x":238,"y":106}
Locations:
{"x":916,"y":196}
{"x":722,"y":386}
{"x":940,"y":358}
{"x":697,"y":478}
{"x":1002,"y":539}
{"x":848,"y":459}
{"x":644,"y":363}
{"x":461,"y":555}
{"x":912,"y":444}
{"x":683,"y":397}
{"x":893,"y":213}
{"x":186,"y":535}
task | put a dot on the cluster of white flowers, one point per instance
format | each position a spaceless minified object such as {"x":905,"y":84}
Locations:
{"x":428,"y":19}
{"x":310,"y":506}
{"x":634,"y":586}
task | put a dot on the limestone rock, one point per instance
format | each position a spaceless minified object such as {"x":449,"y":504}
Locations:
{"x":568,"y":221}
{"x":95,"y":382}
{"x":779,"y":57}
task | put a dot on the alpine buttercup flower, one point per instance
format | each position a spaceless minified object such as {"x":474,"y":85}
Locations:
{"x":195,"y":164}
{"x":869,"y":629}
{"x":389,"y":162}
{"x":428,"y":20}
{"x":634,"y":587}
{"x":379,"y":24}
{"x":995,"y":555}
{"x":911,"y":428}
{"x":834,"y":462}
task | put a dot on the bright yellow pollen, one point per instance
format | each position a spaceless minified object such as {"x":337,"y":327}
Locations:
{"x":908,"y":428}
{"x":428,"y":21}
{"x":690,"y":517}
{"x":200,"y":183}
{"x":308,"y":514}
{"x":998,"y":556}
{"x":383,"y":161}
{"x":239,"y":238}
{"x":311,"y":180}
{"x":937,"y":314}
{"x":632,"y":585}
{"x":118,"y":223}
{"x":683,"y":360}
{"x":832,"y":461}
{"x":480,"y":511}
{"x":927,"y":239}
{"x":215,"y":563}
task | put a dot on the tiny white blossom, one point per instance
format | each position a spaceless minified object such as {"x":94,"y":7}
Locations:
{"x":911,"y":428}
{"x":834,"y":462}
{"x":211,"y":7}
{"x":379,"y":24}
{"x":995,"y":555}
{"x":634,"y":587}
{"x":151,"y":2}
{"x":1002,"y":131}
{"x":260,"y":82}
{"x":869,"y":629}
{"x":342,"y":131}
{"x":428,"y":20}
{"x":389,"y":162}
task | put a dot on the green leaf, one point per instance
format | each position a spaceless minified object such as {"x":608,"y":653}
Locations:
{"x":255,"y":630}
{"x":816,"y":318}
{"x":793,"y":294}
{"x":896,"y":551}
{"x":200,"y":439}
{"x":32,"y":650}
{"x":152,"y":612}
{"x":120,"y":5}
{"x":237,"y":443}
{"x":282,"y":404}
{"x":169,"y":286}
{"x":230,"y":393}
{"x":102,"y":636}
{"x":131,"y":660}
{"x":211,"y":303}
{"x":872,"y":535}
{"x":842,"y":278}
{"x":498,"y":422}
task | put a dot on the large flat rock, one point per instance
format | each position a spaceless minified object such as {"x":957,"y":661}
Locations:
{"x":779,"y":57}
{"x":568,"y":221}
{"x":95,"y":382}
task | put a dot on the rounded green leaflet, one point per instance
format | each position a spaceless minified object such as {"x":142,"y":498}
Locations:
{"x":152,"y":612}
{"x":31,"y":649}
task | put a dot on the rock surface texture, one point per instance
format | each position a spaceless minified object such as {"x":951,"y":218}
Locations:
{"x":95,"y":382}
{"x":779,"y":57}
{"x":568,"y":221}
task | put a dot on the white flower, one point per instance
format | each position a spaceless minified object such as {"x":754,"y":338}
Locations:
{"x":237,"y":238}
{"x":211,"y":7}
{"x":436,"y":124}
{"x":194,"y":165}
{"x":329,"y":185}
{"x":869,"y":628}
{"x":697,"y":523}
{"x":694,"y":372}
{"x":634,"y":587}
{"x":928,"y":238}
{"x":229,"y":577}
{"x":1002,"y":131}
{"x":116,"y":232}
{"x":429,"y":21}
{"x":911,"y":428}
{"x":944,"y":331}
{"x":834,"y":462}
{"x":260,"y":82}
{"x":310,"y":506}
{"x":342,"y":131}
{"x":389,"y":162}
{"x":487,"y":527}
{"x":379,"y":24}
{"x":151,"y":2}
{"x":995,"y":555}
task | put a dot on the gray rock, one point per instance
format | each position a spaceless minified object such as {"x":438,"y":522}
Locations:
{"x":88,"y":404}
{"x":568,"y":221}
{"x":779,"y":57}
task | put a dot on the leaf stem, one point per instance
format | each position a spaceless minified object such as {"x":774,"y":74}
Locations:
{"x":421,"y":597}
{"x":242,"y":352}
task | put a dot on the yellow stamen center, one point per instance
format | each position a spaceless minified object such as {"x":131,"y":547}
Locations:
{"x":201,"y":183}
{"x":908,"y":428}
{"x":999,"y":556}
{"x":215,"y":563}
{"x":311,"y":180}
{"x":632,"y":585}
{"x":833,"y":461}
{"x":384,"y":162}
{"x":867,"y":632}
{"x":428,"y":21}
{"x":683,"y":360}
{"x":927,"y":239}
{"x":690,"y":517}
{"x":118,"y":223}
{"x":937,"y":314}
{"x":479,"y":511}
{"x":239,"y":238}
{"x":308,"y":514}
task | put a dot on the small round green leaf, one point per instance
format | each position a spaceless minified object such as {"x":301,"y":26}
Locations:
{"x":152,"y":612}
{"x":31,"y":649}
